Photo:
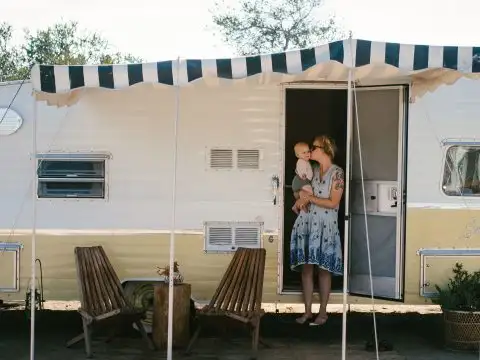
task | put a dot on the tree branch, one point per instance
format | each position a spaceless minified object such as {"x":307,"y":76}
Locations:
{"x":271,"y":25}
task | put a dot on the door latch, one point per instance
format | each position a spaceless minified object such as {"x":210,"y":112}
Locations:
{"x":275,"y":186}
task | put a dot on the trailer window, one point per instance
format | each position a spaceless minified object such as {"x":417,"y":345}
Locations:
{"x":71,"y":178}
{"x":461,"y":175}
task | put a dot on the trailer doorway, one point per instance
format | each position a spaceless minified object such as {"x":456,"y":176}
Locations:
{"x":308,"y":113}
{"x":383,"y":131}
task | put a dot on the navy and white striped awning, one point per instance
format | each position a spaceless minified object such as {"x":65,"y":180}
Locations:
{"x":388,"y":58}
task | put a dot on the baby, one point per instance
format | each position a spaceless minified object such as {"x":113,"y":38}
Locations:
{"x":303,"y":170}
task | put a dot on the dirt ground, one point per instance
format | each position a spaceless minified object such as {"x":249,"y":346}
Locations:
{"x":414,"y":335}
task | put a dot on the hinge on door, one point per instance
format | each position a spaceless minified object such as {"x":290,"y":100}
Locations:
{"x":347,"y":217}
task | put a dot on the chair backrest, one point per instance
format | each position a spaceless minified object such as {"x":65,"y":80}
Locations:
{"x":99,"y":286}
{"x":240,"y":290}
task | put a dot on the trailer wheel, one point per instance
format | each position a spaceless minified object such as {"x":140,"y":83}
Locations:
{"x":140,"y":294}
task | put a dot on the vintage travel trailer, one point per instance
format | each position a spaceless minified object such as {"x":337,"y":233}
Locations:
{"x":104,"y":143}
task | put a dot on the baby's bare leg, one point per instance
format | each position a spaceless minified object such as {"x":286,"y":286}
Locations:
{"x":308,"y":188}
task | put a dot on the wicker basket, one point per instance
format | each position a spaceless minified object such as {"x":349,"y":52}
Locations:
{"x":462,"y":330}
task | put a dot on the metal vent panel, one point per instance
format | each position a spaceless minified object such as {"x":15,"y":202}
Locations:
{"x":228,"y":236}
{"x":221,"y":158}
{"x":219,"y":236}
{"x":248,"y":159}
{"x":247,"y":236}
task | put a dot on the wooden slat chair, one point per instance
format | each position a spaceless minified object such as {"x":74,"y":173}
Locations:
{"x":239,"y":294}
{"x":102,"y":297}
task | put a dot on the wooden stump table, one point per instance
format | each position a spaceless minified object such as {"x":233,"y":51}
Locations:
{"x":181,"y":315}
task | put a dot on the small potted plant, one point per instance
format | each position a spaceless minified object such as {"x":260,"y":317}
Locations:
{"x":460,"y":303}
{"x":165,"y":273}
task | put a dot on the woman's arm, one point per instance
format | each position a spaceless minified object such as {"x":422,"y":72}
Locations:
{"x":300,"y":203}
{"x":336,"y":192}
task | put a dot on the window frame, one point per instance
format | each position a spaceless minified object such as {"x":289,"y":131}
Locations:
{"x":94,"y":157}
{"x":447,"y":145}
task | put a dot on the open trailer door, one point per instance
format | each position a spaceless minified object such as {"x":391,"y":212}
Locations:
{"x":380,"y":134}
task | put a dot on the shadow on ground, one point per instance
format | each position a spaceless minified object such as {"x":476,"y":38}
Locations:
{"x":413,"y":335}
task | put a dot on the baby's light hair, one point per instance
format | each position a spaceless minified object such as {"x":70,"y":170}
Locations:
{"x":298,"y":145}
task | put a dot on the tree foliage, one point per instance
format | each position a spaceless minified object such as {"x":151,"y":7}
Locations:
{"x":62,"y":43}
{"x":10,"y":56}
{"x":259,"y":26}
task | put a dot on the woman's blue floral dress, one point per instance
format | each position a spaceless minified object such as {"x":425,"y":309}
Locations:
{"x":315,"y":237}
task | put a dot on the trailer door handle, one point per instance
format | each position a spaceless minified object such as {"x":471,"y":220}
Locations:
{"x":275,"y":185}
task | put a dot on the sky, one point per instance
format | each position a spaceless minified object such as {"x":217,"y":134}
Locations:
{"x":165,"y":29}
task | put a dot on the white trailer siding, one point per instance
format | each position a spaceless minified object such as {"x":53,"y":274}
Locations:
{"x":136,"y":127}
{"x":451,"y":112}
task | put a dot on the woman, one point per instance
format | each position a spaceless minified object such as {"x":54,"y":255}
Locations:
{"x":315,"y":240}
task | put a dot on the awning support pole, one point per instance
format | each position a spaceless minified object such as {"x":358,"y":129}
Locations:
{"x":173,"y":225}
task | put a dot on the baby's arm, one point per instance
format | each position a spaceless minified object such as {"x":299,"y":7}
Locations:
{"x":302,"y":169}
{"x":309,"y":171}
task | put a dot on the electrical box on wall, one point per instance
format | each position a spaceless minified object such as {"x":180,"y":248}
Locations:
{"x":380,"y":198}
